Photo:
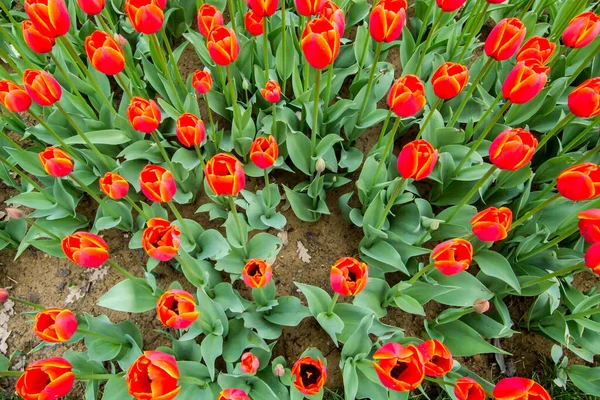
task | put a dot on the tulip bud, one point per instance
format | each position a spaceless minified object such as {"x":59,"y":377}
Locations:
{"x":13,"y":213}
{"x":50,"y":17}
{"x":202,"y":81}
{"x":271,"y":91}
{"x":525,"y":81}
{"x":279,"y":370}
{"x":13,"y":97}
{"x":250,"y":363}
{"x":582,"y":30}
{"x":430,"y":223}
{"x":232,"y":394}
{"x":255,"y":24}
{"x":120,"y":39}
{"x":320,"y":165}
{"x":264,"y":152}
{"x":584,"y":101}
{"x":505,"y":39}
{"x":417,"y":159}
{"x":481,"y":306}
{"x":320,"y":43}
{"x":146,"y":16}
{"x":4,"y":295}
{"x":245,"y":84}
{"x":387,"y":20}
{"x":223,"y":45}
{"x":406,"y":96}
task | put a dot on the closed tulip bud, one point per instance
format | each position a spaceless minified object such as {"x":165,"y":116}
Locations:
{"x":202,"y":81}
{"x":584,"y":101}
{"x":387,"y":20}
{"x":263,"y":8}
{"x":254,"y":23}
{"x":85,"y":249}
{"x":335,"y":15}
{"x":104,"y":53}
{"x":225,"y":175}
{"x":417,"y":159}
{"x":257,"y":273}
{"x":160,"y":239}
{"x":42,"y":87}
{"x":468,"y":389}
{"x":492,"y":224}
{"x":120,"y":39}
{"x":525,"y":81}
{"x":512,"y":149}
{"x":582,"y":30}
{"x":56,"y":162}
{"x":14,"y":97}
{"x":452,"y":256}
{"x":481,"y":306}
{"x":146,"y":16}
{"x":505,"y":39}
{"x":309,"y":375}
{"x":176,"y":309}
{"x":91,"y":7}
{"x":592,"y":258}
{"x":320,"y":165}
{"x":450,"y":5}
{"x":589,"y":225}
{"x":54,"y":325}
{"x":279,"y":370}
{"x":519,"y":388}
{"x":50,"y":17}
{"x":51,"y":378}
{"x":399,"y":368}
{"x":153,"y":375}
{"x":209,"y":17}
{"x":271,"y":91}
{"x":37,"y":42}
{"x":190,"y":130}
{"x":438,"y":360}
{"x":348,"y":276}
{"x":537,"y":49}
{"x":13,"y":213}
{"x":449,"y":80}
{"x":579,"y":182}
{"x":223,"y":45}
{"x":245,"y":83}
{"x":3,"y":295}
{"x":407,"y":96}
{"x":114,"y":185}
{"x":264,"y":152}
{"x":233,"y":394}
{"x":157,"y":183}
{"x":320,"y":43}
{"x":143,"y":115}
{"x":309,"y":7}
{"x":250,"y":363}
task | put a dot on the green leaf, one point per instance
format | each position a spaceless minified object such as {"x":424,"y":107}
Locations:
{"x":408,"y":304}
{"x":495,"y":265}
{"x":211,"y":347}
{"x":289,"y":312}
{"x":464,"y":341}
{"x":109,"y":136}
{"x":116,"y":389}
{"x":359,"y":344}
{"x":585,"y":378}
{"x":34,"y":200}
{"x":129,"y":296}
{"x":318,"y":299}
{"x":299,"y":148}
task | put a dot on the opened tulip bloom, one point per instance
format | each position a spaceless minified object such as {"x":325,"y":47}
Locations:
{"x":387,"y":20}
{"x":519,"y":389}
{"x":14,"y":97}
{"x":592,"y":258}
{"x":48,"y":379}
{"x":582,"y":30}
{"x":537,"y":49}
{"x":146,"y":16}
{"x":512,"y":149}
{"x":85,"y":249}
{"x":417,"y":159}
{"x":209,"y":17}
{"x":264,"y":152}
{"x":452,"y":256}
{"x":449,"y":80}
{"x":525,"y":81}
{"x":56,"y":162}
{"x":450,"y":5}
{"x":176,"y":308}
{"x":202,"y":81}
{"x":50,"y":17}
{"x":348,"y":276}
{"x":153,"y":375}
{"x":335,"y":15}
{"x":263,"y":8}
{"x":157,"y":183}
{"x":492,"y":224}
{"x":438,"y":360}
{"x":257,"y":273}
{"x":407,"y":96}
{"x":468,"y":389}
{"x":114,"y":185}
{"x":104,"y":53}
{"x":254,"y":23}
{"x":160,"y":239}
{"x":579,"y":182}
{"x":223,"y":45}
{"x":309,"y":7}
{"x":250,"y":363}
{"x":320,"y":43}
{"x":505,"y":39}
{"x":54,"y":325}
{"x":36,"y":41}
{"x":42,"y":87}
{"x":91,"y":7}
{"x":143,"y":115}
{"x":399,"y":368}
{"x":589,"y":225}
{"x":309,"y":375}
{"x":225,"y":175}
{"x":190,"y":130}
{"x":233,"y":394}
{"x":584,"y":101}
{"x":271,"y":92}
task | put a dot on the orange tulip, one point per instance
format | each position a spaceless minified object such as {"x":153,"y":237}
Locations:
{"x":153,"y":375}
{"x":250,"y":363}
{"x":492,"y":224}
{"x":264,"y":152}
{"x":579,"y":182}
{"x":54,"y":325}
{"x":348,"y":276}
{"x":452,"y":256}
{"x":146,"y":16}
{"x":190,"y":130}
{"x":143,"y":115}
{"x":400,"y":368}
{"x":589,"y":225}
{"x":512,"y":149}
{"x":417,"y":159}
{"x":438,"y":360}
{"x":85,"y":249}
{"x":407,"y":96}
{"x":56,"y":162}
{"x":160,"y":239}
{"x":104,"y":53}
{"x":233,"y":394}
{"x":537,"y":49}
{"x":42,"y":87}
{"x":309,"y":375}
{"x":320,"y":42}
{"x":449,"y":80}
{"x":582,"y":30}
{"x":223,"y":45}
{"x":114,"y":185}
{"x":519,"y":389}
{"x":209,"y":17}
{"x":257,"y":273}
{"x":584,"y":101}
{"x":592,"y":258}
{"x":157,"y":183}
{"x":225,"y":175}
{"x":91,"y":7}
{"x":39,"y":43}
{"x":450,"y":5}
{"x":202,"y":81}
{"x":505,"y":39}
{"x":309,"y":7}
{"x":468,"y":389}
{"x":177,"y":309}
{"x":254,"y":23}
{"x":525,"y":81}
{"x":50,"y":17}
{"x":263,"y":8}
{"x":48,"y":379}
{"x":335,"y":15}
{"x":271,"y":91}
{"x":387,"y":20}
{"x":14,"y":97}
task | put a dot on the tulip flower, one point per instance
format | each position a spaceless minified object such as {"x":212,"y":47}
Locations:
{"x":481,"y":306}
{"x":153,"y":375}
{"x":582,"y":30}
{"x":579,"y":182}
{"x":146,"y":16}
{"x":271,"y":91}
{"x":176,"y":308}
{"x":492,"y":224}
{"x":309,"y":375}
{"x":223,"y":45}
{"x":54,"y":325}
{"x":42,"y":87}
{"x":449,"y":80}
{"x":56,"y":162}
{"x":584,"y":101}
{"x":51,"y":378}
{"x":264,"y":152}
{"x":438,"y":360}
{"x":417,"y":159}
{"x":450,"y":5}
{"x":225,"y":175}
{"x":91,"y":7}
{"x":143,"y":115}
{"x":495,"y":1}
{"x":525,"y":81}
{"x":3,"y":295}
{"x":202,"y":81}
{"x":160,"y":239}
{"x":104,"y":53}
{"x":348,"y":276}
{"x":233,"y":394}
{"x":335,"y":15}
{"x":50,"y":17}
{"x":263,"y":8}
{"x":537,"y":49}
{"x":320,"y":43}
{"x":407,"y":96}
{"x":452,"y":256}
{"x":592,"y":258}
{"x":468,"y":389}
{"x":85,"y":249}
{"x":505,"y":39}
{"x":255,"y":24}
{"x":387,"y":20}
{"x":190,"y":130}
{"x":157,"y":183}
{"x":399,"y":368}
{"x":257,"y":273}
{"x":209,"y":17}
{"x":114,"y":185}
{"x":519,"y":388}
{"x":36,"y":41}
{"x":14,"y":97}
{"x":309,"y":7}
{"x":512,"y":149}
{"x":589,"y":225}
{"x":250,"y":363}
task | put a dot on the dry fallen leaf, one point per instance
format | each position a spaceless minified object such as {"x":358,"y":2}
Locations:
{"x":283,"y":236}
{"x":303,"y":253}
{"x":79,"y":291}
{"x":5,"y":312}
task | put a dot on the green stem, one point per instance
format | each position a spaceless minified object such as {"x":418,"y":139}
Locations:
{"x":387,"y":150}
{"x":137,"y":208}
{"x":124,"y":85}
{"x":123,"y":271}
{"x":574,"y":142}
{"x":274,"y":118}
{"x":315,"y":120}
{"x":424,"y":23}
{"x":466,"y":27}
{"x":370,"y":83}
{"x":179,"y":218}
{"x":93,"y":195}
{"x":199,"y":155}
{"x":487,"y":113}
{"x":420,"y":273}
{"x":526,"y":8}
{"x":472,"y":32}
{"x":266,"y":48}
{"x":210,"y":119}
{"x":71,"y":85}
{"x":583,"y":314}
{"x":471,"y":193}
{"x":284,"y":42}
{"x":391,"y":201}
{"x":537,"y":209}
{"x":328,"y":91}
{"x":334,"y":300}
{"x":463,"y":103}
{"x":163,"y":152}
{"x":267,"y":189}
{"x":236,"y":216}
{"x":99,"y":336}
{"x":231,"y":14}
{"x":236,"y":110}
{"x":27,"y":303}
{"x":61,"y":142}
{"x":192,"y":380}
{"x":548,"y":245}
{"x":11,"y":373}
{"x":17,"y":48}
{"x":383,"y":129}
{"x":428,"y":118}
{"x":41,"y":228}
{"x":567,"y":119}
{"x":428,"y":42}
{"x":172,"y":58}
{"x":163,"y":65}
{"x":560,"y":272}
{"x":586,"y":63}
{"x":439,"y":381}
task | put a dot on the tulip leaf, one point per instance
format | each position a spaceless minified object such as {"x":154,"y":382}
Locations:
{"x":495,"y":265}
{"x":464,"y":341}
{"x":211,"y":348}
{"x":585,"y":378}
{"x":289,"y":312}
{"x":110,"y":136}
{"x":129,"y":296}
{"x":116,"y":389}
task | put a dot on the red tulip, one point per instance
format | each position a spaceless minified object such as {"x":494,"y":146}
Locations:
{"x":3,"y":295}
{"x":525,"y":81}
{"x":250,"y":363}
{"x":579,"y":182}
{"x":56,"y":162}
{"x":202,"y":81}
{"x":468,"y":389}
{"x":492,"y":224}
{"x":209,"y":17}
{"x":54,"y":325}
{"x":417,"y":159}
{"x":50,"y":17}
{"x":176,"y":308}
{"x":438,"y":360}
{"x":85,"y":249}
{"x":157,"y":183}
{"x":14,"y":97}
{"x":320,"y":43}
{"x":512,"y":149}
{"x":537,"y":49}
{"x":592,"y":258}
{"x":254,"y":23}
{"x":153,"y":375}
{"x":143,"y":115}
{"x":48,"y":379}
{"x":42,"y":87}
{"x":450,"y":5}
{"x":257,"y":273}
{"x":160,"y":239}
{"x":91,"y":7}
{"x":39,"y":43}
{"x":223,"y":45}
{"x":495,"y":1}
{"x":505,"y":39}
{"x":589,"y":225}
{"x":271,"y":91}
{"x":407,"y":96}
{"x":520,"y":389}
{"x":190,"y":130}
{"x":264,"y":152}
{"x":309,"y":7}
{"x":449,"y":80}
{"x":146,"y":16}
{"x":452,"y":256}
{"x":225,"y":175}
{"x":348,"y":276}
{"x":114,"y":185}
{"x":582,"y":30}
{"x":309,"y":375}
{"x":233,"y":394}
{"x":387,"y":20}
{"x":263,"y":8}
{"x":584,"y":101}
{"x":400,"y":368}
{"x":104,"y":53}
{"x":335,"y":15}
